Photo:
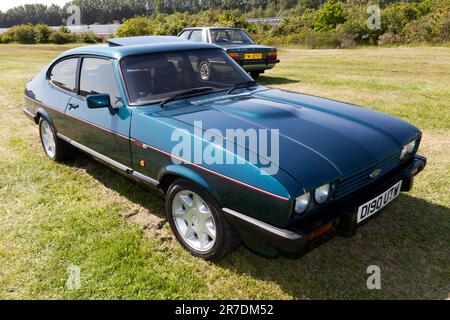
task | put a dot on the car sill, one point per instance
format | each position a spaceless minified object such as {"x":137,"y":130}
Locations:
{"x":109,"y":161}
{"x":144,"y":178}
{"x":95,"y":154}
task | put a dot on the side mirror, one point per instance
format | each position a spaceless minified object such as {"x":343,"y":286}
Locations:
{"x":96,"y":101}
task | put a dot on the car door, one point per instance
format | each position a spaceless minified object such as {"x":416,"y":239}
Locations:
{"x":61,"y":80}
{"x":101,"y":130}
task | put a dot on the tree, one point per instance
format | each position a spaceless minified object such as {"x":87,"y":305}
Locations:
{"x":331,"y":14}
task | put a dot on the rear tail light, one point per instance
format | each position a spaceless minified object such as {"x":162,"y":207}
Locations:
{"x":272,"y":55}
{"x":234,"y":55}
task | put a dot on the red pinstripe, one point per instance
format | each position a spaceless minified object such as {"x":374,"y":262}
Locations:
{"x":210,"y":171}
{"x":143,"y":145}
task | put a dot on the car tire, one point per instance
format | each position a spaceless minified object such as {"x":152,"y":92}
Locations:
{"x":198,"y":223}
{"x":255,"y":74}
{"x":54,"y":148}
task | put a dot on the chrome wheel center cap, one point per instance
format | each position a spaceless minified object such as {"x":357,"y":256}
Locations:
{"x":195,"y":219}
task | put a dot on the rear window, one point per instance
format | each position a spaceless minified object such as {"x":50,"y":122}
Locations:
{"x":230,"y":36}
{"x":184,"y":34}
{"x":196,"y":36}
{"x":63,"y":74}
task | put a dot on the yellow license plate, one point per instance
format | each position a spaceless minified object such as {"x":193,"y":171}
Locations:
{"x":252,"y":56}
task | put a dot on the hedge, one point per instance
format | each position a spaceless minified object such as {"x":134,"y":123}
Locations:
{"x":41,"y":33}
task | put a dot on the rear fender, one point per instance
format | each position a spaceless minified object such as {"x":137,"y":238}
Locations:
{"x":42,"y":113}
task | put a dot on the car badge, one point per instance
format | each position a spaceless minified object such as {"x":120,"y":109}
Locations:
{"x":375,"y":173}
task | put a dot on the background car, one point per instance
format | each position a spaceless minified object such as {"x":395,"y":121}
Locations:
{"x":238,"y":44}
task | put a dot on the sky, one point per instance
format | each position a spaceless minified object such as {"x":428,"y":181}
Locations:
{"x":5,"y":5}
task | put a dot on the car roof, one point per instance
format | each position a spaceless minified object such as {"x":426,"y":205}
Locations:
{"x":122,"y":47}
{"x":212,"y":28}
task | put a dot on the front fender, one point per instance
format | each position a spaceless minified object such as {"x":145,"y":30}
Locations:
{"x":187,"y":173}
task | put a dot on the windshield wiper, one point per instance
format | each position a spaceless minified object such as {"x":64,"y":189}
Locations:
{"x":240,"y":85}
{"x":185,"y":93}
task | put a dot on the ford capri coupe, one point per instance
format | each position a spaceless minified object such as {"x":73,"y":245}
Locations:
{"x":252,"y":57}
{"x":156,"y":109}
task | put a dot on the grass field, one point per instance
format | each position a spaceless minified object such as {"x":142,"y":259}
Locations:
{"x":54,"y":215}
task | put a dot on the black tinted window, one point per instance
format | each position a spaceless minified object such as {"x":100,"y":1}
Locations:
{"x":64,"y":73}
{"x":156,"y":76}
{"x":97,"y":76}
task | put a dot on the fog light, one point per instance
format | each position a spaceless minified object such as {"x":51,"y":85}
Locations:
{"x":320,"y":231}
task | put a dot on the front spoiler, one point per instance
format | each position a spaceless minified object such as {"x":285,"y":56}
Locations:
{"x":340,"y":219}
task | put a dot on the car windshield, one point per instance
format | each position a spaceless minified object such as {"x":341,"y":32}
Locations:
{"x":158,"y":76}
{"x":230,"y":36}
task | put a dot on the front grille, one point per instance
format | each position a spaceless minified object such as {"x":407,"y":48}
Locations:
{"x":361,"y":178}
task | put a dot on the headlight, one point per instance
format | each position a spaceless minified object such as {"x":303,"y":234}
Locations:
{"x":410,"y":146}
{"x":322,"y":193}
{"x":408,"y":149}
{"x":302,"y":202}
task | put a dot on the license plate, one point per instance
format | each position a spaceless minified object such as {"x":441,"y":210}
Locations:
{"x":371,"y":207}
{"x":252,"y":56}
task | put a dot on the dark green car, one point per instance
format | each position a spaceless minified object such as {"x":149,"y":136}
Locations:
{"x":253,"y":58}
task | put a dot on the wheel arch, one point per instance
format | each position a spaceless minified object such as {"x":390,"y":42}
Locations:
{"x":42,"y":113}
{"x":174,"y":172}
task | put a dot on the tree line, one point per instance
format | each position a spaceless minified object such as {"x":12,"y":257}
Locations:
{"x":110,"y":11}
{"x":310,"y":23}
{"x":335,"y":24}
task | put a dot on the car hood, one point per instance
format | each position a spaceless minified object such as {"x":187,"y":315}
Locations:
{"x":320,"y":140}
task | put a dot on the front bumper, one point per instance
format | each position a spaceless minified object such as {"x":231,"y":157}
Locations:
{"x":339,"y":218}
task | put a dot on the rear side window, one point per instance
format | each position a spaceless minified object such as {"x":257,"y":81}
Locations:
{"x":185,"y":34}
{"x":196,"y":36}
{"x":97,"y":76}
{"x":64,"y":73}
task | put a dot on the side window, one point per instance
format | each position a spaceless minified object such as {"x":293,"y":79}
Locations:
{"x":97,"y":76}
{"x":196,"y":36}
{"x":63,"y":74}
{"x":185,"y":34}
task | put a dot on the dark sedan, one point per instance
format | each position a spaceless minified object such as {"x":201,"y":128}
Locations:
{"x":253,"y":58}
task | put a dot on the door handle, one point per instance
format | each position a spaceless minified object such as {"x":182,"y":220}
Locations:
{"x":73,"y":106}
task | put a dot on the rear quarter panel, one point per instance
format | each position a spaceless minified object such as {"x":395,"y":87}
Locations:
{"x":43,"y":98}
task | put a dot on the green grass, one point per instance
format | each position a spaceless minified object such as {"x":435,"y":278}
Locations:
{"x":54,"y":215}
